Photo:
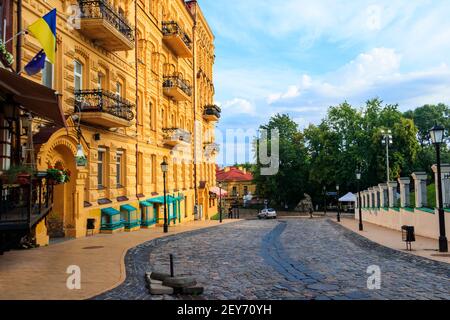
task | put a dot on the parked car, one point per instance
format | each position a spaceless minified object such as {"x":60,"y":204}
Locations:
{"x":267,"y":214}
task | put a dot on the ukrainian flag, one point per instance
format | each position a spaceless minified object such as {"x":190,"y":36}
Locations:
{"x":44,"y":30}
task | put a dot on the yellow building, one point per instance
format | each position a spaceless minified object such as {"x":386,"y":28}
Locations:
{"x":135,"y":79}
{"x":237,"y":183}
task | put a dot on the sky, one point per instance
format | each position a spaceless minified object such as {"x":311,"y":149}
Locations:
{"x":299,"y":57}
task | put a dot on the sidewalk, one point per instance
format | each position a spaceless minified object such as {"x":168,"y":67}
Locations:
{"x":424,"y":247}
{"x":41,"y":273}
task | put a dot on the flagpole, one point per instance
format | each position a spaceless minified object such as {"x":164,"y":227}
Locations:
{"x":15,"y":36}
{"x":19,"y":37}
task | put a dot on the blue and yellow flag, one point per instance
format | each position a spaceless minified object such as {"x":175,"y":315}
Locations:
{"x":36,"y":64}
{"x":44,"y":29}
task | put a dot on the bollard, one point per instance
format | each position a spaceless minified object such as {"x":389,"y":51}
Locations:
{"x":171,"y":266}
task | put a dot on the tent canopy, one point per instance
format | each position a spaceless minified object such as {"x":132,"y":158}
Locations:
{"x":349,"y":197}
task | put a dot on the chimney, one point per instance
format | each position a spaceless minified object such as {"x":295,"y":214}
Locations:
{"x":226,"y":169}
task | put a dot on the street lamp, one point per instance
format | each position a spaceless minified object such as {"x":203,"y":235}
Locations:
{"x":437,"y":137}
{"x":338,"y":207}
{"x":164,"y":169}
{"x":325,"y":200}
{"x":358,"y":179}
{"x":220,"y":202}
{"x":387,"y":141}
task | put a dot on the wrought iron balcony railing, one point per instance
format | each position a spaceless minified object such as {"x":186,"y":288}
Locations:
{"x":177,"y":135}
{"x":102,"y":9}
{"x":103,"y":101}
{"x":170,"y":28}
{"x":212,"y":111}
{"x":177,"y":82}
{"x":24,"y":204}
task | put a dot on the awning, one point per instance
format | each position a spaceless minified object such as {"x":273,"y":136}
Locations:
{"x":145,"y":204}
{"x":160,"y":200}
{"x":127,"y":208}
{"x":349,"y":197}
{"x":34,"y":97}
{"x":218,"y":191}
{"x":110,"y":211}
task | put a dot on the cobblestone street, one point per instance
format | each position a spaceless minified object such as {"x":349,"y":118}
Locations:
{"x":291,"y":259}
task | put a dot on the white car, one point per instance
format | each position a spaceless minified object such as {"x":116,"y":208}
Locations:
{"x":267,"y":214}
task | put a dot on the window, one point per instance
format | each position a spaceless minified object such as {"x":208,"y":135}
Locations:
{"x":245,"y":190}
{"x":140,"y":169}
{"x":101,"y":164}
{"x":5,"y":146}
{"x":150,"y":109}
{"x":100,"y":81}
{"x":234,"y":193}
{"x":47,"y":74}
{"x":78,"y":75}
{"x":154,"y":164}
{"x":118,"y":89}
{"x":119,"y":169}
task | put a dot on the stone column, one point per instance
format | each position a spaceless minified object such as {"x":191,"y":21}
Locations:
{"x":404,"y":192}
{"x":376,"y":194}
{"x":445,"y":171}
{"x":420,"y":187}
{"x":370,"y":196}
{"x":383,"y":194}
{"x":366,"y":199}
{"x":392,"y":193}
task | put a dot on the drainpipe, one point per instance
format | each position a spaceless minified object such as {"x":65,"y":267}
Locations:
{"x":136,"y":46}
{"x":19,"y":37}
{"x":194,"y":69}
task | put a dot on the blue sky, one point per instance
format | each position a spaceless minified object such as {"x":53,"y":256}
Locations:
{"x":301,"y":56}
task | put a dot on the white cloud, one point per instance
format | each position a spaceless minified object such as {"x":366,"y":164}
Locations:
{"x":238,"y":106}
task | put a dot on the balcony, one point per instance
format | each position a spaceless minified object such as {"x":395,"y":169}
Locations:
{"x":100,"y":22}
{"x":177,"y":88}
{"x":24,"y":204}
{"x":212,"y":113}
{"x":211,"y":149}
{"x":176,"y":39}
{"x":103,"y":108}
{"x":176,"y":136}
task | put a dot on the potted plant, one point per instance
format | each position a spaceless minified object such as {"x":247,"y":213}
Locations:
{"x":57,"y":174}
{"x":19,"y":174}
{"x":5,"y":57}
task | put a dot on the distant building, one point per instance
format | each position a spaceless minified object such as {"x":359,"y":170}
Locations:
{"x":238,"y":183}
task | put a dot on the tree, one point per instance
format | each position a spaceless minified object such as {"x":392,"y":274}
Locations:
{"x":289,"y":184}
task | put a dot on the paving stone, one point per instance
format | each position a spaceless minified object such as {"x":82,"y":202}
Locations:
{"x":292,"y":259}
{"x":193,"y":290}
{"x":180,"y":282}
{"x":157,"y":289}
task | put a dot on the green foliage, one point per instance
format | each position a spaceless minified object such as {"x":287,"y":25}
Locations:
{"x":348,"y":139}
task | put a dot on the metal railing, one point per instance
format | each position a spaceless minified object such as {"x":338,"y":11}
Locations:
{"x":102,"y":9}
{"x":212,"y":110}
{"x":170,"y":28}
{"x":177,"y":82}
{"x":25,"y":203}
{"x":177,"y":134}
{"x":103,"y":101}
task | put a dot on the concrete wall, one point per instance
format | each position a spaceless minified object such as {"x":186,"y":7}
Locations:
{"x":426,"y":222}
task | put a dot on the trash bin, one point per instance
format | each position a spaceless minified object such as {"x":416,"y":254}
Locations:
{"x":408,"y":236}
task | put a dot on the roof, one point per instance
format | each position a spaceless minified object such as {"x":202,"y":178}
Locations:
{"x":234,"y":174}
{"x":349,"y":197}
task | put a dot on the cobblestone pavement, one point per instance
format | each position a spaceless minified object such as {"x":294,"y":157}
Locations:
{"x":291,"y":259}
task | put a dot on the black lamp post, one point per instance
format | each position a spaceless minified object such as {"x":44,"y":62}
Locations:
{"x":437,"y":137}
{"x":220,"y":202}
{"x":325,"y":200}
{"x":358,"y":179}
{"x":164,"y":169}
{"x":338,"y":204}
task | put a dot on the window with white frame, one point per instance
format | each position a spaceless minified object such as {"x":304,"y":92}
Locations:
{"x":5,"y":146}
{"x":119,"y":169}
{"x":47,"y":74}
{"x":101,"y":165}
{"x":118,"y":89}
{"x":78,"y":75}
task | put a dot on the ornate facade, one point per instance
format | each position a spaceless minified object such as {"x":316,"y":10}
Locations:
{"x":135,"y":79}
